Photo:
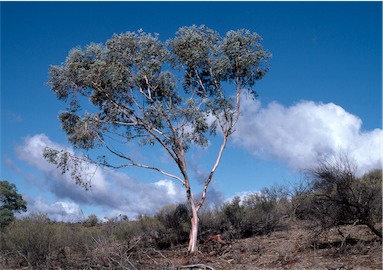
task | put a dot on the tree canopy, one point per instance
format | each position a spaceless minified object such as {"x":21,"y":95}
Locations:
{"x":10,"y":202}
{"x":137,"y":88}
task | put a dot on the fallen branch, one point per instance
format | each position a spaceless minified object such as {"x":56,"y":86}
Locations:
{"x":200,"y":265}
{"x":25,"y":258}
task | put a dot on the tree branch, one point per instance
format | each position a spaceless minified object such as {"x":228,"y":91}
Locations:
{"x":132,"y":163}
{"x":210,"y":177}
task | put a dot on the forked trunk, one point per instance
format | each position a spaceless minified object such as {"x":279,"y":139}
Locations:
{"x":193,"y":237}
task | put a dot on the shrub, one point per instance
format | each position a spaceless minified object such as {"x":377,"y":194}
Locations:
{"x":258,"y":213}
{"x":91,"y":221}
{"x":177,"y":223}
{"x":33,"y":238}
{"x":212,"y":222}
{"x":126,"y":231}
{"x":265,"y":210}
{"x":338,"y":197}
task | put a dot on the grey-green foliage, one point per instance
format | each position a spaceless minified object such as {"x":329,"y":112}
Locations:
{"x":177,"y":223}
{"x":123,"y":81}
{"x":138,"y":88}
{"x":266,"y":209}
{"x":91,"y":221}
{"x":32,"y":237}
{"x":10,"y":202}
{"x":131,"y":85}
{"x":256,"y":213}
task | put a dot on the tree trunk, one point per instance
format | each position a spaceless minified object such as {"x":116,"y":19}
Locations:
{"x":193,"y":237}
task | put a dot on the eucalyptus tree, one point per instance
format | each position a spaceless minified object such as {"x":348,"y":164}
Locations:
{"x":177,"y":94}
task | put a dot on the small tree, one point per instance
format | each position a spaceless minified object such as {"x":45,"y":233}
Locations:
{"x":91,"y":221}
{"x":10,"y":202}
{"x":339,"y":197}
{"x":131,"y":85}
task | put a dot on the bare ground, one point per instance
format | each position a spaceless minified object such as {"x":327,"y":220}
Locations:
{"x":296,"y":247}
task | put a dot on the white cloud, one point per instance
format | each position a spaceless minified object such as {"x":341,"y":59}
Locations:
{"x":146,"y":197}
{"x":62,"y":185}
{"x":66,"y":210}
{"x":113,"y":192}
{"x":168,"y":186}
{"x":301,"y":134}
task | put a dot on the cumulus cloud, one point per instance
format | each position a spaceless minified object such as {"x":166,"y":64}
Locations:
{"x":141,"y":197}
{"x":305,"y":132}
{"x":113,"y":192}
{"x":66,"y":210}
{"x":62,"y":185}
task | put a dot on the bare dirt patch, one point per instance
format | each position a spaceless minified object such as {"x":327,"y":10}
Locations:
{"x":297,"y":247}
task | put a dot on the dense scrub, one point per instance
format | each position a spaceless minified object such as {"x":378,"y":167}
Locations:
{"x":322,"y":203}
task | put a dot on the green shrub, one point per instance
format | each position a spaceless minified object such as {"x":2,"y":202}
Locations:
{"x":176,"y":221}
{"x":33,"y":238}
{"x":126,"y":231}
{"x":91,"y":221}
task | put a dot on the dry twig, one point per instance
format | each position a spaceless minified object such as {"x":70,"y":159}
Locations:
{"x":163,"y":256}
{"x":199,"y":265}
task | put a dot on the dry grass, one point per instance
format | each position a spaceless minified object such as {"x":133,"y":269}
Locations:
{"x":297,"y":246}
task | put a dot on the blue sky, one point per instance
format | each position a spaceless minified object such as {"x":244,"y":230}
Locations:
{"x":323,"y":94}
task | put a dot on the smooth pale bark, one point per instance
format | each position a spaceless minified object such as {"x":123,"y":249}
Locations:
{"x":193,"y":237}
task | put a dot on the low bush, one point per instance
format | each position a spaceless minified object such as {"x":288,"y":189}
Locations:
{"x":337,"y":197}
{"x":176,"y":223}
{"x":256,"y":213}
{"x":33,"y":240}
